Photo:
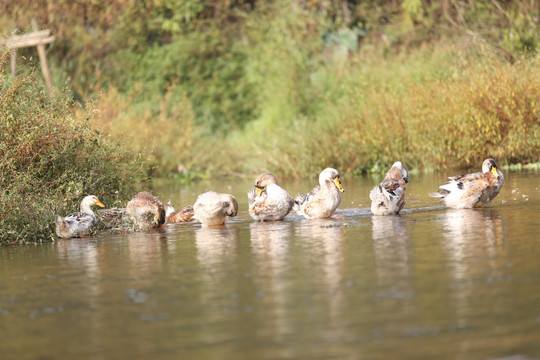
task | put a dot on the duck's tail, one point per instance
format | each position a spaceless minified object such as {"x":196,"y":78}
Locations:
{"x":62,"y":228}
{"x":299,"y":199}
{"x":251,"y":194}
{"x":439,"y":194}
{"x":169,"y":209}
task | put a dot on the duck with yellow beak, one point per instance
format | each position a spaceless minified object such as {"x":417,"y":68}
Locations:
{"x":324,"y":199}
{"x":80,"y":223}
{"x":267,"y":200}
{"x":472,"y":190}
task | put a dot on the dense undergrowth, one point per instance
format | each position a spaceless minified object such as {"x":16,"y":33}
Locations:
{"x":50,"y":159}
{"x":234,"y":88}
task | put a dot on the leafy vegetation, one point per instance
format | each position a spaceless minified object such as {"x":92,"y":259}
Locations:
{"x":219,"y":88}
{"x":50,"y":159}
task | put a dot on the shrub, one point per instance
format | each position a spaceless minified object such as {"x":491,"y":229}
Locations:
{"x":49,"y":160}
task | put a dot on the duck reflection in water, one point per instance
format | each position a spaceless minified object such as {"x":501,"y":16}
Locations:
{"x":217,"y":256}
{"x":324,"y":241}
{"x":270,"y":242}
{"x":465,"y":229}
{"x":270,"y":247}
{"x":216,"y":245}
{"x":391,"y":249}
{"x":471,"y":234}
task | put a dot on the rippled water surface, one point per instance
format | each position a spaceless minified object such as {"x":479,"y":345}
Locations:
{"x":432,"y":283}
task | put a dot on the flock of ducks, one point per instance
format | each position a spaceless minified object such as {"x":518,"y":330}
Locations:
{"x":269,"y":202}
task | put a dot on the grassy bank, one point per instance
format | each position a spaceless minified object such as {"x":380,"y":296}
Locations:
{"x":50,"y":159}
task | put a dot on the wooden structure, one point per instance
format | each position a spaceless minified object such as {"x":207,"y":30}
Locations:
{"x":37,"y":38}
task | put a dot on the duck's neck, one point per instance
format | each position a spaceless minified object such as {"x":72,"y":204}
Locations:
{"x":85,"y":208}
{"x":328,"y":186}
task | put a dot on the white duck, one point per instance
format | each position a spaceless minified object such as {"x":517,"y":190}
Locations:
{"x":267,"y":200}
{"x":80,"y":223}
{"x":389,"y":196}
{"x":324,"y":199}
{"x":472,"y":190}
{"x":211,"y":208}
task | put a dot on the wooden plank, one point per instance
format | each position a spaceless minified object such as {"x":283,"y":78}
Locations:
{"x":27,"y":42}
{"x":23,"y":37}
{"x":43,"y":60}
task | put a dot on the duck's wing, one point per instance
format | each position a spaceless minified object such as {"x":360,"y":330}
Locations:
{"x":183,"y":215}
{"x":388,"y":197}
{"x":252,"y":195}
{"x":301,"y":199}
{"x":264,"y":206}
{"x":392,"y":185}
{"x":465,"y":182}
{"x":79,"y":223}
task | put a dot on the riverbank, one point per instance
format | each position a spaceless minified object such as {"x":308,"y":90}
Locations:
{"x":50,"y":159}
{"x":446,"y":107}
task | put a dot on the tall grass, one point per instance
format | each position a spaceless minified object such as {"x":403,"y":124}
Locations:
{"x":292,"y":87}
{"x":316,"y":104}
{"x":163,"y":131}
{"x":477,"y":106}
{"x":50,"y":159}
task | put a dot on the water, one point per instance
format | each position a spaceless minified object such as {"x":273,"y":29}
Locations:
{"x":432,"y":283}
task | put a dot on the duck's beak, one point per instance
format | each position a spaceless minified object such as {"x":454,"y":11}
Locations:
{"x":494,"y":171}
{"x":337,"y":181}
{"x":100,"y":204}
{"x":259,"y":191}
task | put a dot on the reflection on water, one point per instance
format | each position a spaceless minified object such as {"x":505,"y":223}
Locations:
{"x":427,"y":284}
{"x":391,"y":249}
{"x":461,"y":227}
{"x":215,"y":246}
{"x":270,"y":244}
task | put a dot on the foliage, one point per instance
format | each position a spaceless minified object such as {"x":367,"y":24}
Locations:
{"x":457,"y":116}
{"x":179,"y":146}
{"x":49,"y":160}
{"x":292,"y":87}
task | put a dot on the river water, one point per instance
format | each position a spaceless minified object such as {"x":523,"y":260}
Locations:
{"x":432,"y":283}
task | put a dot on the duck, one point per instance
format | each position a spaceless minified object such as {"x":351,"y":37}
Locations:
{"x":113,"y":218}
{"x":472,"y":190}
{"x":81,"y":223}
{"x":211,"y":208}
{"x":146,"y":211}
{"x":324,"y":199}
{"x":388,"y":197}
{"x":267,"y":200}
{"x":183,"y":215}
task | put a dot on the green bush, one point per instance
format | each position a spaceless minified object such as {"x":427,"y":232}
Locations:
{"x":49,"y":160}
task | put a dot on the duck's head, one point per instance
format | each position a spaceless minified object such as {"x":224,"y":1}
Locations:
{"x":230,"y":205}
{"x":262,"y":181}
{"x":403,"y":170}
{"x":88,"y":202}
{"x":330,"y":174}
{"x":91,"y":200}
{"x":489,"y":165}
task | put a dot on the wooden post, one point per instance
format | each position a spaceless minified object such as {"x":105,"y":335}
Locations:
{"x":13,"y":62}
{"x":36,"y":38}
{"x":43,"y":61}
